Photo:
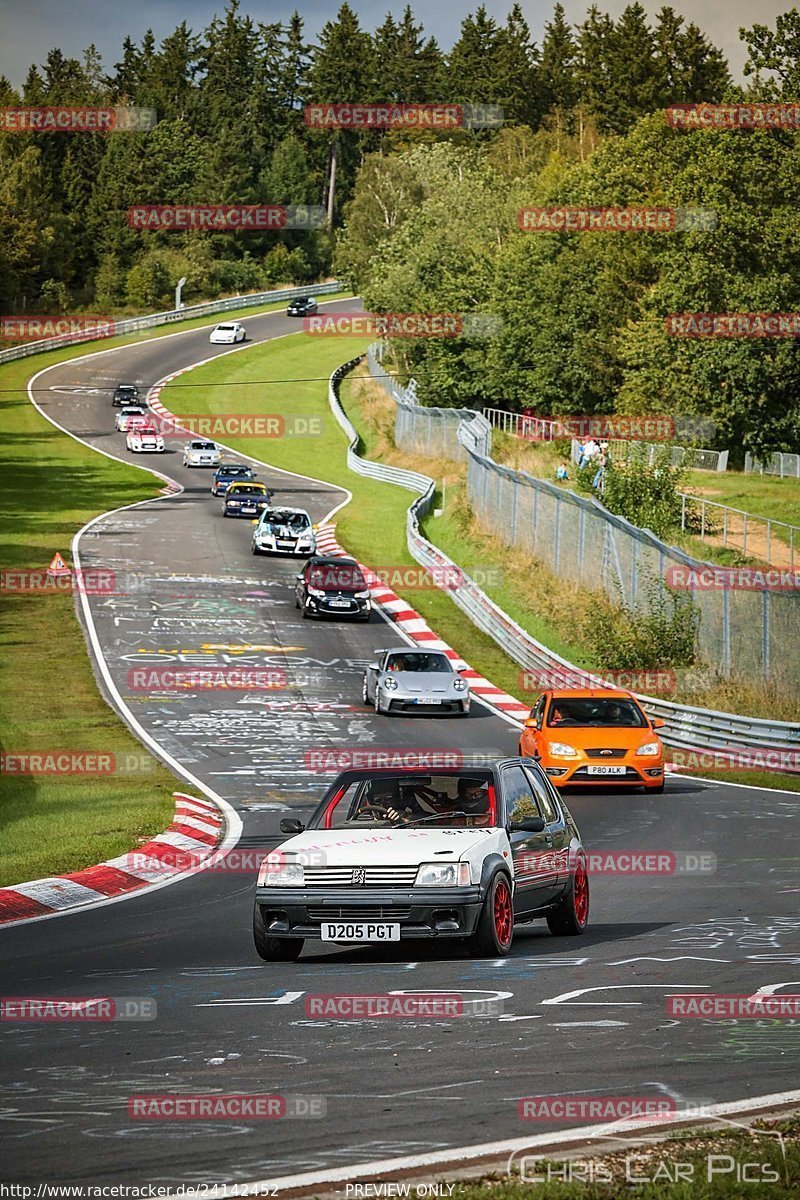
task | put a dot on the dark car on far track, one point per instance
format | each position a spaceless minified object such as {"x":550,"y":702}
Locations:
{"x":333,"y":587}
{"x":229,"y":473}
{"x":248,"y":499}
{"x":124,"y":394}
{"x":303,"y":306}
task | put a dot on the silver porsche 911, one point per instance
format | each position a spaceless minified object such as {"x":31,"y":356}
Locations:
{"x":415,"y":681}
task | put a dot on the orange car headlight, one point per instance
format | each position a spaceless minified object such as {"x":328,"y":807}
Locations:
{"x":562,"y":750}
{"x":650,"y":748}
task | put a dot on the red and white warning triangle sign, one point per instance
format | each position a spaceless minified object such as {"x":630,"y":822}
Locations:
{"x":58,"y":567}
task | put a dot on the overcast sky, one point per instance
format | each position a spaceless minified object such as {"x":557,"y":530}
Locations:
{"x":33,"y":27}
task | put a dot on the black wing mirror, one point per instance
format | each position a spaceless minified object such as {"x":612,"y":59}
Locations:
{"x":291,"y":825}
{"x":526,"y":825}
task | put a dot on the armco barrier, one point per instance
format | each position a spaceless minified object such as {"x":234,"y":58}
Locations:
{"x":685,"y":727}
{"x":152,"y":320}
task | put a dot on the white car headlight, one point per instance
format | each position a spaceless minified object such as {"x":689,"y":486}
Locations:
{"x":452,"y":874}
{"x":361,"y":595}
{"x":390,"y":683}
{"x":318,"y":592}
{"x":562,"y":750}
{"x":274,"y":872}
{"x":460,"y":685}
{"x":648,"y":748}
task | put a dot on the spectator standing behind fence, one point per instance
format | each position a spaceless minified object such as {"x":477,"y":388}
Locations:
{"x":589,"y":450}
{"x":562,"y":474}
{"x":602,"y":458}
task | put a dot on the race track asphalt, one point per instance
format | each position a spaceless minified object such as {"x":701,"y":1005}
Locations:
{"x":582,"y":1016}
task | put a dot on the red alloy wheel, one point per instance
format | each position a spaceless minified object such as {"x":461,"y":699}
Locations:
{"x":503,"y":921}
{"x":580,"y":894}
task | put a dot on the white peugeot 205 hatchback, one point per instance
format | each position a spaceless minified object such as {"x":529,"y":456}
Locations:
{"x":439,"y":853}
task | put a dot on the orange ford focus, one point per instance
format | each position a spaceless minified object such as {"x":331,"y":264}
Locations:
{"x":595,"y":736}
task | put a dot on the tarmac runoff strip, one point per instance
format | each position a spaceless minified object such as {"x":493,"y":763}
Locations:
{"x":196,"y":831}
{"x":491,"y":1157}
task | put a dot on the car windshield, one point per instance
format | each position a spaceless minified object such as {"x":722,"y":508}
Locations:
{"x":246,"y":489}
{"x":345,"y":576}
{"x":133,"y":412}
{"x":204,"y":446}
{"x":146,"y":431}
{"x":458,"y":800}
{"x":275,"y":519}
{"x":595,"y":711}
{"x":226,"y":328}
{"x":438,"y":663}
{"x":126,"y":389}
{"x":234,"y":472}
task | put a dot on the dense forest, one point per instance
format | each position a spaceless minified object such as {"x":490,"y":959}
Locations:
{"x":428,"y":220}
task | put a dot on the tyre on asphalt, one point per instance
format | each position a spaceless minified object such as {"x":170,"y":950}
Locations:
{"x":273,"y":949}
{"x":494,"y":932}
{"x":572,"y":914}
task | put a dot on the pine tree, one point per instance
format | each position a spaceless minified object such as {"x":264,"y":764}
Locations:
{"x":557,"y":84}
{"x":636,"y":72}
{"x":515,"y":71}
{"x":472,"y":67}
{"x":593,"y":78}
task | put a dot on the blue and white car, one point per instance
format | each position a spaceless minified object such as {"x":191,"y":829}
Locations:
{"x":284,"y":531}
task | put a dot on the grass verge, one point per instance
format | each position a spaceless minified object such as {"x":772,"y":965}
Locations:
{"x":707,"y":1165}
{"x":50,"y":486}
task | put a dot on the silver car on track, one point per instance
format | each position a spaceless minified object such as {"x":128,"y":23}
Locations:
{"x":415,"y":681}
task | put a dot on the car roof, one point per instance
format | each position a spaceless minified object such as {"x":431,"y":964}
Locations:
{"x":233,"y":467}
{"x":591,"y":694}
{"x":329,"y":561}
{"x":249,"y":483}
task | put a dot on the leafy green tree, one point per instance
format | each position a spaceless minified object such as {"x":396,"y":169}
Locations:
{"x":776,"y":51}
{"x":149,"y":284}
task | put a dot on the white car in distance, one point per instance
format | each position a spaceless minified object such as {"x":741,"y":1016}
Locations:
{"x":228,"y":333}
{"x":201,"y":453}
{"x":128,"y":416}
{"x":144,"y":439}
